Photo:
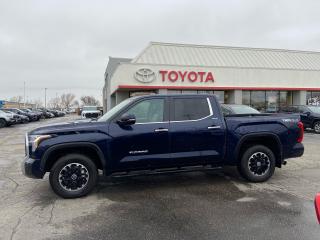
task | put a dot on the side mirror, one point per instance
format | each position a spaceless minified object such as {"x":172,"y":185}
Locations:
{"x":127,"y":119}
{"x":307,"y":113}
{"x":317,"y":206}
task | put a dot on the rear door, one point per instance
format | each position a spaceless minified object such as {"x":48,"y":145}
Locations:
{"x":196,"y":132}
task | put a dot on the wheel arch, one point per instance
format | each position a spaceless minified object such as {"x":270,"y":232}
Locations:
{"x":269,"y":140}
{"x":86,"y":148}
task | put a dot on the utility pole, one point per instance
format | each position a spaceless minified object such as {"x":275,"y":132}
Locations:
{"x":45,"y":97}
{"x":24,"y":94}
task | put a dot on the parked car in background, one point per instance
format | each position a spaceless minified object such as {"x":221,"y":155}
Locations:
{"x":46,"y":113}
{"x":6,"y":119}
{"x":230,"y":109}
{"x":31,"y":116}
{"x":39,"y":115}
{"x":90,"y":112}
{"x":310,"y":115}
{"x":18,"y":117}
{"x":161,"y":134}
{"x":56,"y":113}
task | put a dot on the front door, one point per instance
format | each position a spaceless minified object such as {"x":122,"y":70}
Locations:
{"x":134,"y":146}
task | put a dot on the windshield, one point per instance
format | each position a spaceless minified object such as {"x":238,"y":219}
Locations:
{"x":243,"y":109}
{"x":314,"y":109}
{"x":89,"y":108}
{"x":114,"y":110}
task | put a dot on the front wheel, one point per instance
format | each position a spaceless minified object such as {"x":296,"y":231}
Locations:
{"x":73,"y":175}
{"x":3,"y":123}
{"x":257,"y":164}
{"x":316,"y":127}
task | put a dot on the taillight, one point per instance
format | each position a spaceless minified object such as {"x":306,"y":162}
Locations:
{"x":301,"y":132}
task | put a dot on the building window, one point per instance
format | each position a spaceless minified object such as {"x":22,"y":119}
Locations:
{"x":246,"y":97}
{"x":220,"y":96}
{"x":285,"y":98}
{"x":272,"y":101}
{"x":313,"y":98}
{"x":267,"y":101}
{"x":258,"y":100}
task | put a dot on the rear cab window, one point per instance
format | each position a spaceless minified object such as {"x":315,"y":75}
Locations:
{"x":189,"y":109}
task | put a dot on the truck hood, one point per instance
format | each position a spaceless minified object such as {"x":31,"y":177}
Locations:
{"x":69,"y":127}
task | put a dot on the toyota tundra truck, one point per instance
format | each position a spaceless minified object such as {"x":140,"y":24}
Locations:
{"x":160,"y":134}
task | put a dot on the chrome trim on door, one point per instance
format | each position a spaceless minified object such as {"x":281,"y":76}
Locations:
{"x":161,"y":130}
{"x":214,"y":127}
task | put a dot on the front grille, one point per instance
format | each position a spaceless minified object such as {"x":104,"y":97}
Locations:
{"x":92,"y":115}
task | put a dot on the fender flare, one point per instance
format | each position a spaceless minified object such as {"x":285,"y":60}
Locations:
{"x":61,"y":146}
{"x":254,"y":135}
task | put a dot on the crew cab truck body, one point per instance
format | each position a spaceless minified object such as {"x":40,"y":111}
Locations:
{"x":160,"y":133}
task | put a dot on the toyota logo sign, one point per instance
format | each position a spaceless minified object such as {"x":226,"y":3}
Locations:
{"x":145,"y":75}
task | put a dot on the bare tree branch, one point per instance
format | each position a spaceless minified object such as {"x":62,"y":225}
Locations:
{"x":89,"y":101}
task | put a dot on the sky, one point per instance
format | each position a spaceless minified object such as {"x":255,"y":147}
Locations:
{"x":64,"y":45}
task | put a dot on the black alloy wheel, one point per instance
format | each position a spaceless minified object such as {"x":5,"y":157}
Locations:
{"x":257,"y":163}
{"x":73,"y":175}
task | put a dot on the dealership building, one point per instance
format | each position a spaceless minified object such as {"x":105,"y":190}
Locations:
{"x":263,"y":78}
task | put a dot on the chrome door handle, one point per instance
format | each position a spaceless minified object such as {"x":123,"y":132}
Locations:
{"x":214,"y":127}
{"x":161,"y":130}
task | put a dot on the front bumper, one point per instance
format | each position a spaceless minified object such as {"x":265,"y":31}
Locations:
{"x":31,"y":168}
{"x":11,"y":121}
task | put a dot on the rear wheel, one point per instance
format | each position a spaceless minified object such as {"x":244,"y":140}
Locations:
{"x":3,"y":123}
{"x":73,"y":175}
{"x":257,"y":164}
{"x":316,"y":127}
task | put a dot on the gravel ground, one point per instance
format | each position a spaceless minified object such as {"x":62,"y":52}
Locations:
{"x":217,"y":205}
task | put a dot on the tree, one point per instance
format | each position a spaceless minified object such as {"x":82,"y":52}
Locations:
{"x":76,"y":103}
{"x":67,"y":100}
{"x":55,"y":103}
{"x":37,"y":102}
{"x":89,"y":101}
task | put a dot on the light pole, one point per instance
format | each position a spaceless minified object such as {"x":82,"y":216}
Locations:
{"x":45,"y":97}
{"x":24,"y":94}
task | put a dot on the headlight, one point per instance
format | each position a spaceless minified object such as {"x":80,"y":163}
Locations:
{"x":35,"y":140}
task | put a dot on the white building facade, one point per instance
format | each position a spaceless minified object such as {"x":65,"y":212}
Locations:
{"x":263,"y":78}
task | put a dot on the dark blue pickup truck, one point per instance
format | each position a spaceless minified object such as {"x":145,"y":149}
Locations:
{"x":160,"y":133}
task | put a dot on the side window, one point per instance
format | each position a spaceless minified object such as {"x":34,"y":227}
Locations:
{"x":151,"y":110}
{"x":294,"y":109}
{"x":225,"y":111}
{"x":302,"y":109}
{"x":189,"y":109}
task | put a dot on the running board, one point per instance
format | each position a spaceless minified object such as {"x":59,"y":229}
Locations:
{"x":165,"y":171}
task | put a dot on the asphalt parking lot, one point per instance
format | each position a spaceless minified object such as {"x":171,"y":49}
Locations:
{"x":216,"y":205}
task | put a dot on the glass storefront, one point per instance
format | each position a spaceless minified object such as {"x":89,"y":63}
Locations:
{"x":313,"y":98}
{"x":267,"y":101}
{"x":219,"y":94}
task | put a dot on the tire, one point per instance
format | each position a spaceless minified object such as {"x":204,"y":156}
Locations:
{"x":73,"y":176}
{"x":316,"y":127}
{"x":257,"y":164}
{"x":3,"y":123}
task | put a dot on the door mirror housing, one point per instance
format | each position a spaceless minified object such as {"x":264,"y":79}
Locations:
{"x":317,"y":206}
{"x":127,"y":119}
{"x":307,"y":113}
